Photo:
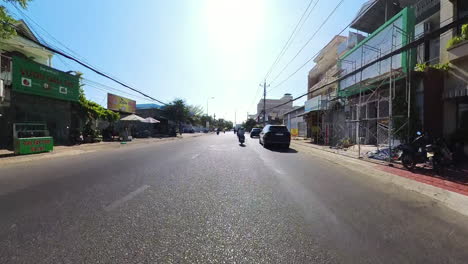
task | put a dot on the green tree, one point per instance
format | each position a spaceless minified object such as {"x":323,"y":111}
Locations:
{"x":93,"y":111}
{"x":249,"y":124}
{"x":6,"y":29}
{"x":219,"y":123}
{"x":90,"y":111}
{"x":223,"y":124}
{"x":206,"y":118}
{"x":228,"y":125}
{"x":178,"y":112}
{"x":196,"y":113}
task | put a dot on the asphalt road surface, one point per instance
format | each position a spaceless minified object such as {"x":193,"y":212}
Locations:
{"x":209,"y":200}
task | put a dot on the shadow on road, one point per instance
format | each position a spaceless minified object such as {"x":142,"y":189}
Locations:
{"x":282,"y":150}
{"x":242,"y":145}
{"x":7,"y":155}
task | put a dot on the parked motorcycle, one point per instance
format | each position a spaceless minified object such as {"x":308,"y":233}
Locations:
{"x":440,"y":155}
{"x":423,"y":150}
{"x":415,"y":152}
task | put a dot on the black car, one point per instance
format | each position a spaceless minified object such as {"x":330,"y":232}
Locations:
{"x":275,"y":135}
{"x":255,"y":132}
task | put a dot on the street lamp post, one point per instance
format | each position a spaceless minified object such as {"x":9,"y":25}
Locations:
{"x":207,"y":114}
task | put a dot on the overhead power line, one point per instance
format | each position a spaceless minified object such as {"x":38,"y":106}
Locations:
{"x":427,"y":37}
{"x":50,"y":35}
{"x":112,"y":89}
{"x":88,"y":67}
{"x":313,"y":57}
{"x":94,"y":70}
{"x":105,"y":90}
{"x":32,"y":21}
{"x":296,"y":29}
{"x":255,"y":97}
{"x":288,"y":43}
{"x":309,"y":40}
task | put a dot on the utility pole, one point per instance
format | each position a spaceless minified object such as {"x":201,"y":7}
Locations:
{"x":264,"y":101}
{"x":235,"y":118}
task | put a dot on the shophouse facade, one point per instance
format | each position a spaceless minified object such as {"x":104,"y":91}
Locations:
{"x":34,"y":92}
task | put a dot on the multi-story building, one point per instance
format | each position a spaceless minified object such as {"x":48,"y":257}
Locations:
{"x":380,"y":101}
{"x":324,"y":71}
{"x":376,"y":96}
{"x":31,"y":91}
{"x":274,"y":115}
{"x":392,"y":98}
{"x":455,"y":94}
{"x":322,"y":108}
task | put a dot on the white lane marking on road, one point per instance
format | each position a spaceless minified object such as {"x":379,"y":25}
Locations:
{"x":126,"y":198}
{"x":195,"y":156}
{"x":271,"y":165}
{"x":278,"y":171}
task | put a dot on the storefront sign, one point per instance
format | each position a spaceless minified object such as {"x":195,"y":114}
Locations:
{"x":33,"y":78}
{"x":33,"y":145}
{"x":121,"y":104}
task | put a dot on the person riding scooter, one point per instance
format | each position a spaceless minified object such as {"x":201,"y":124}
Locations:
{"x":240,"y":135}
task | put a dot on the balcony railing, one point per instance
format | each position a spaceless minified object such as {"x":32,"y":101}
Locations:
{"x":424,"y":6}
{"x":328,"y":77}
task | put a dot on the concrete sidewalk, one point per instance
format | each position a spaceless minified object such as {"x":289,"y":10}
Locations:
{"x":349,"y":152}
{"x":451,"y":193}
{"x":8,"y":157}
{"x":457,"y":175}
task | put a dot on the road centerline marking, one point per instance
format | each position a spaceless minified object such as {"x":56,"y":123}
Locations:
{"x":126,"y":198}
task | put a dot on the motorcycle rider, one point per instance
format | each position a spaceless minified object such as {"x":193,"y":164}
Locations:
{"x":240,"y":133}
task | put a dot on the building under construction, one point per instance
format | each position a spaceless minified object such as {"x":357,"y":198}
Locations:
{"x":387,"y":101}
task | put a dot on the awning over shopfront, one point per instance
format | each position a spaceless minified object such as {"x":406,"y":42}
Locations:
{"x":314,"y":104}
{"x":151,"y":120}
{"x":133,"y":117}
{"x":303,"y":114}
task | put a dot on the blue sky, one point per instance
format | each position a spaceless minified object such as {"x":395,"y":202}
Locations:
{"x":189,"y":49}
